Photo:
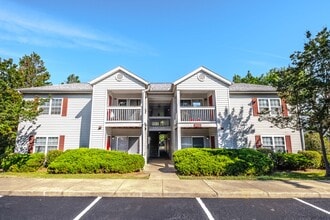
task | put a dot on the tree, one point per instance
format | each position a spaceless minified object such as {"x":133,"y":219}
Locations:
{"x":264,"y":79}
{"x":312,"y":142}
{"x":13,"y":108}
{"x":72,"y":78}
{"x":305,"y":85}
{"x":32,"y":72}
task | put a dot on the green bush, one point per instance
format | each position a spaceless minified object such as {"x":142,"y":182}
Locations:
{"x":51,"y":156}
{"x":219,"y":162}
{"x":16,"y":162}
{"x":285,"y":161}
{"x":314,"y":157}
{"x":14,"y":159}
{"x":96,"y":161}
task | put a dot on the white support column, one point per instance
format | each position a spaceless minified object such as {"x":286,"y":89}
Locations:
{"x":144,"y":147}
{"x":178,"y":107}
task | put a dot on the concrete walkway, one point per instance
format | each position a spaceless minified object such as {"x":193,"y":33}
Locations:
{"x":163,"y":183}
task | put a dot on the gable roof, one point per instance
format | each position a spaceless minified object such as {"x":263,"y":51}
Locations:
{"x":251,"y":88}
{"x":115,"y":70}
{"x":61,"y":88}
{"x":205,"y":70}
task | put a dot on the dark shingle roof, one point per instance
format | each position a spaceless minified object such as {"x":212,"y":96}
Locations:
{"x":61,"y":88}
{"x":245,"y":87}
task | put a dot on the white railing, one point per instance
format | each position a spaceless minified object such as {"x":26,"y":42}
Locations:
{"x":124,"y":113}
{"x":197,"y":114}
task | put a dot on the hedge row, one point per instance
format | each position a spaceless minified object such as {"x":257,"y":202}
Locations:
{"x":221,"y":162}
{"x":74,"y":161}
{"x":96,"y":161}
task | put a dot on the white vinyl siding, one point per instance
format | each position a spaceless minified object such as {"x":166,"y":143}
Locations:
{"x":264,"y":127}
{"x":75,"y":126}
{"x":100,"y":91}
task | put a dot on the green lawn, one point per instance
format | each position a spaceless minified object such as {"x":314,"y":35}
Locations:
{"x":43,"y":174}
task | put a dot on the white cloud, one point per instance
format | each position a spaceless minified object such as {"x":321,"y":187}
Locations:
{"x":22,"y":25}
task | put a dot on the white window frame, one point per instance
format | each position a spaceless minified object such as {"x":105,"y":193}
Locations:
{"x":270,"y":107}
{"x":50,"y":107}
{"x":273,"y":141}
{"x":46,"y":143}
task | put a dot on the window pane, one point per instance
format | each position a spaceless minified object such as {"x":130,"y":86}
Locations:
{"x":279,"y":144}
{"x":122,"y":102}
{"x":186,"y":142}
{"x":40,"y":144}
{"x":56,"y":106}
{"x":44,"y":108}
{"x":197,"y":103}
{"x":198,"y":142}
{"x":263,"y":105}
{"x":267,"y":141}
{"x":185,"y":102}
{"x":135,"y":102}
{"x":275,"y":106}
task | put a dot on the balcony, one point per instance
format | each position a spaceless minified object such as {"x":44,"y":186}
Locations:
{"x":124,"y":114}
{"x":159,"y":123}
{"x":197,"y":114}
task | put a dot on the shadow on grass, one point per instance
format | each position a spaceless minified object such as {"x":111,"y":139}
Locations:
{"x":298,"y":175}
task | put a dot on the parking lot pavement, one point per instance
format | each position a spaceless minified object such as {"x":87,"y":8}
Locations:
{"x":161,"y":208}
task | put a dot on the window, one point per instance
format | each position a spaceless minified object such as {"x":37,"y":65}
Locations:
{"x":51,"y":107}
{"x":129,"y":102}
{"x":196,"y":142}
{"x":45,"y":144}
{"x":273,"y":105}
{"x":191,"y":102}
{"x":274,"y":143}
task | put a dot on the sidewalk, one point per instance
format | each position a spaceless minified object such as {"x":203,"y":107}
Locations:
{"x":164,"y":183}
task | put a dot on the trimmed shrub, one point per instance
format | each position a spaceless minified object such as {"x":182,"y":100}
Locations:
{"x":16,"y":162}
{"x":14,"y":159}
{"x":51,"y":156}
{"x":286,"y":161}
{"x":96,"y":161}
{"x":219,"y":162}
{"x":314,"y":157}
{"x":322,"y":166}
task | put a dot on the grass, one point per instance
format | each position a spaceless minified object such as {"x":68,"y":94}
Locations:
{"x":43,"y":174}
{"x":279,"y":175}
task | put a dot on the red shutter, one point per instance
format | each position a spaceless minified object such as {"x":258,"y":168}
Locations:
{"x":255,"y":106}
{"x":258,"y":141}
{"x":31,"y":144}
{"x":288,"y":143}
{"x":65,"y":106}
{"x":210,"y":100}
{"x":61,"y":143}
{"x":212,"y":142}
{"x":109,"y":142}
{"x":284,"y":108}
{"x":110,"y":100}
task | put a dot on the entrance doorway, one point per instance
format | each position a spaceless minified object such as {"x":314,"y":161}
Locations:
{"x":159,"y":144}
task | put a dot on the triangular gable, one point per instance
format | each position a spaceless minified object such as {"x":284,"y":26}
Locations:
{"x":116,"y":70}
{"x":205,"y":70}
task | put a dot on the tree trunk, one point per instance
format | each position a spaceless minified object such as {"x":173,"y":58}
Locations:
{"x":324,"y":154}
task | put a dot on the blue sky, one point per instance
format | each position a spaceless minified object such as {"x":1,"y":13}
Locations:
{"x":159,"y":41}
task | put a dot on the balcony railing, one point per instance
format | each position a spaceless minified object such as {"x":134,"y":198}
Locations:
{"x":194,"y":114}
{"x":124,"y":114}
